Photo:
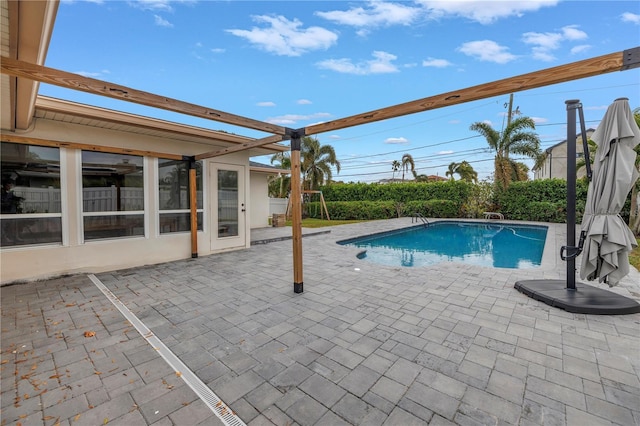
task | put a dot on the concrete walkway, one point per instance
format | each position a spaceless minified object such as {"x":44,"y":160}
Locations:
{"x":364,"y":344}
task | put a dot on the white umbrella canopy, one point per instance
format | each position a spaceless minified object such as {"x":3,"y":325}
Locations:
{"x":608,"y":238}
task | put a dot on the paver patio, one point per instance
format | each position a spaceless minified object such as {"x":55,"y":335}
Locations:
{"x":364,"y":344}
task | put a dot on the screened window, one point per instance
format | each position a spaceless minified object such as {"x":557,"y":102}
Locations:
{"x":31,"y":201}
{"x":112,"y":195}
{"x":174,"y":195}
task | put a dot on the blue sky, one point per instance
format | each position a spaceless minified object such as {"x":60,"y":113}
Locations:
{"x":297,"y":63}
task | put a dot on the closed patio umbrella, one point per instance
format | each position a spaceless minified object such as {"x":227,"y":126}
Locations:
{"x":608,"y":239}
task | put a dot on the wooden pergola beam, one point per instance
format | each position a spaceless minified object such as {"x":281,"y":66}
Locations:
{"x":560,"y":74}
{"x":17,"y":68}
{"x":242,"y":147}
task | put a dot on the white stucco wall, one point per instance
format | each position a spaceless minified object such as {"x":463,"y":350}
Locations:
{"x":73,"y":256}
{"x":259,"y":190}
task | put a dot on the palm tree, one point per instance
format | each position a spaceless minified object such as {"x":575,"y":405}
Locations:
{"x":540,"y":160}
{"x":407,"y":164}
{"x":316,"y":162}
{"x":395,"y":165}
{"x":582,"y":162}
{"x":466,"y":172}
{"x":516,"y":139}
{"x":283,"y":161}
{"x":451,"y":170}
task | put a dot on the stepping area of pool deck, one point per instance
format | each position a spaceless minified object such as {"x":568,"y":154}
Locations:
{"x":364,"y":344}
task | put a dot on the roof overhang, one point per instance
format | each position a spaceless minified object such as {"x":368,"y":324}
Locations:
{"x":71,"y":112}
{"x":26,"y":41}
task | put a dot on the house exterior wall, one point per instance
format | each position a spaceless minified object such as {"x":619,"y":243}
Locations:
{"x":259,"y":199}
{"x":76,"y":256}
{"x":555,"y":166}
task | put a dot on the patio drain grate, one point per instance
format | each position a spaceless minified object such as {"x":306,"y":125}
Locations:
{"x":219,"y":408}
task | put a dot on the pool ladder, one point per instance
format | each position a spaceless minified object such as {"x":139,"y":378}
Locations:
{"x":418,"y":216}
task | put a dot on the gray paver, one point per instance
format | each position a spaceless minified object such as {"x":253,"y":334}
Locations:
{"x":446,"y":344}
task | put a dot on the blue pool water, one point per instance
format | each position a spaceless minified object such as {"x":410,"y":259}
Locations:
{"x":482,"y":244}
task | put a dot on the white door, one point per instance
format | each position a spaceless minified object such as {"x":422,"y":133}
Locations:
{"x":228,"y":216}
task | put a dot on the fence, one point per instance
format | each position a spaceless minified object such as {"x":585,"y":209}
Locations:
{"x":278,"y":205}
{"x":106,"y":199}
{"x":39,"y":200}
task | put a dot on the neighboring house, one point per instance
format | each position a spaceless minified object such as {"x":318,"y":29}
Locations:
{"x":555,"y":164}
{"x":88,"y":189}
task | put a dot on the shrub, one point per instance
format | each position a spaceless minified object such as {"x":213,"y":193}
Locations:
{"x":545,"y":211}
{"x":354,"y":210}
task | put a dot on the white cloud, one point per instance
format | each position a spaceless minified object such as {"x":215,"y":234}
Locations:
{"x":545,"y":43}
{"x":634,"y":18}
{"x":548,"y":41}
{"x":454,"y":121}
{"x":286,"y":38}
{"x":484,"y":12}
{"x":437,"y":63}
{"x":399,"y":141}
{"x":266,"y":104}
{"x":487,"y":50}
{"x":381,"y":64}
{"x":539,"y":120}
{"x":218,"y":50}
{"x":92,"y":74}
{"x":157,"y":5}
{"x":571,"y":32}
{"x":381,"y":13}
{"x":304,"y":102}
{"x":445,"y":152}
{"x":335,"y":137}
{"x":579,"y":49}
{"x":290,"y":119}
{"x":161,"y":22}
{"x":374,"y":14}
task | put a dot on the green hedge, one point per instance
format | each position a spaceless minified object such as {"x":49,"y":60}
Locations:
{"x":541,"y":200}
{"x":432,"y":208}
{"x":371,"y":210}
{"x":538,"y":200}
{"x":456,"y":191}
{"x":354,"y":210}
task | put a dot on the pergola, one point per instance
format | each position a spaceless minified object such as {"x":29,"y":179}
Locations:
{"x":27,"y":71}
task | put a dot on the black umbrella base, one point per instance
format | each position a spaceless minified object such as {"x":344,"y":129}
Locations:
{"x":583,"y":300}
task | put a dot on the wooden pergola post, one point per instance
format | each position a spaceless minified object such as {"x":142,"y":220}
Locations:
{"x":296,"y":211}
{"x":193,"y":205}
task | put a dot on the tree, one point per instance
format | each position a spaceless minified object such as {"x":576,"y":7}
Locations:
{"x":540,"y":160}
{"x":316,"y":163}
{"x":279,"y":187}
{"x":464,"y":170}
{"x":451,"y":170}
{"x":395,"y":165}
{"x":514,"y":139}
{"x":407,"y":164}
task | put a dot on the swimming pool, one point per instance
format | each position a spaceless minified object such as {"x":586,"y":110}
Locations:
{"x":478,"y":243}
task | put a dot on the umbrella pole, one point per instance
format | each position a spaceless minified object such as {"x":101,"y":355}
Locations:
{"x":572,"y":105}
{"x":567,"y":294}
